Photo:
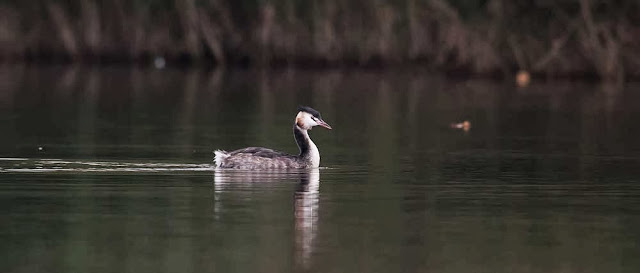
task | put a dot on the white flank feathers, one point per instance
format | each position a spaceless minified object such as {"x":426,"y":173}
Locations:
{"x":219,"y":157}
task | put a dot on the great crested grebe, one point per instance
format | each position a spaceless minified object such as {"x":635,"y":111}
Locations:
{"x":255,"y":158}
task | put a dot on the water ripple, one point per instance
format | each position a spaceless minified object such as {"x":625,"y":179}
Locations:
{"x":26,"y":165}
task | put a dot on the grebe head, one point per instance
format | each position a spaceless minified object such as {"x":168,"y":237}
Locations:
{"x":308,"y":117}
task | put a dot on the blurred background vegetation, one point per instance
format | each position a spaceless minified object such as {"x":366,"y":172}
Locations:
{"x":581,"y":38}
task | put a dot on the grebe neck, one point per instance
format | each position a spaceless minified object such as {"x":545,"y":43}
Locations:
{"x":308,"y":149}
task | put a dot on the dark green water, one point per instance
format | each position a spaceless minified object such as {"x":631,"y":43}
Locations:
{"x":108,"y":170}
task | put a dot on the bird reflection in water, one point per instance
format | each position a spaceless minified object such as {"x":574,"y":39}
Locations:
{"x":305,"y":206}
{"x":305,"y":201}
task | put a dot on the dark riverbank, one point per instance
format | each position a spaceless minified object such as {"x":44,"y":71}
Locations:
{"x":578,"y":38}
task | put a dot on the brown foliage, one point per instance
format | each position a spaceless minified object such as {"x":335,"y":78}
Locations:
{"x":496,"y":36}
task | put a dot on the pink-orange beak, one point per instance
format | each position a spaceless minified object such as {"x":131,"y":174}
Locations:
{"x":323,"y":124}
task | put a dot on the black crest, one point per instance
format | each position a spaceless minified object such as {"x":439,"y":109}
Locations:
{"x":309,"y":110}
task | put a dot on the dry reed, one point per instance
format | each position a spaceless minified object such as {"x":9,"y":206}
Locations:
{"x":486,"y":37}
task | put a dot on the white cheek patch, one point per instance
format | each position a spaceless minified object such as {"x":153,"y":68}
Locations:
{"x":311,"y":121}
{"x":306,"y":121}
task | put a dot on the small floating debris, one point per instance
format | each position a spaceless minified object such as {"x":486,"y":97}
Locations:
{"x":523,"y":78}
{"x":465,"y":125}
{"x":159,"y":62}
{"x":40,"y":148}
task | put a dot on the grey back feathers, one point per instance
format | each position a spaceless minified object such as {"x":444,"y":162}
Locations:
{"x":256,"y":158}
{"x":259,"y":151}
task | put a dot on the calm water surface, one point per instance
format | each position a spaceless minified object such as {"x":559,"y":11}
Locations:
{"x":109,"y":170}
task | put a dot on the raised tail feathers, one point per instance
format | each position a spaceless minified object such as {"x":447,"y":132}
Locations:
{"x":220,"y":156}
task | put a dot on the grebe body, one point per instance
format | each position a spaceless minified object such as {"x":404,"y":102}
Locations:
{"x":256,"y":158}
